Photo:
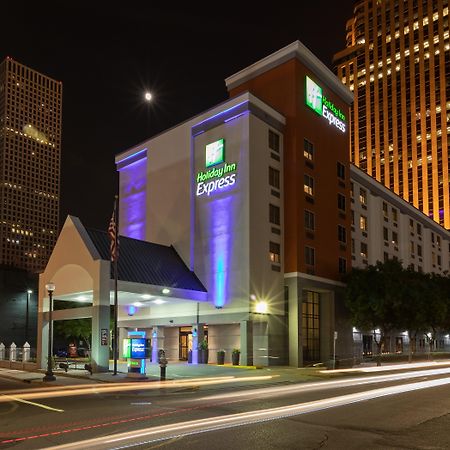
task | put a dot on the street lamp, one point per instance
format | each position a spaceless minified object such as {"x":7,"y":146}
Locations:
{"x":29,"y":292}
{"x":49,"y":374}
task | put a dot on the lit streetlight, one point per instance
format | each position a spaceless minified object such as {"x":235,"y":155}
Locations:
{"x":49,"y":374}
{"x":29,"y":292}
{"x":148,"y":96}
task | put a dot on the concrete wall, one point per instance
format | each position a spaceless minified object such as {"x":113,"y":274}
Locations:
{"x":223,"y":337}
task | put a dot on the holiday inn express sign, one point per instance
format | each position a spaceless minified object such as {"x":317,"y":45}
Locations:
{"x":323,"y":106}
{"x":219,"y":174}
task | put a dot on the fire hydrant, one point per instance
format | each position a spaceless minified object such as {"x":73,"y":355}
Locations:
{"x":162,"y":364}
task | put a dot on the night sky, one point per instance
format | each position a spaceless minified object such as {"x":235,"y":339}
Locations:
{"x":107,"y":57}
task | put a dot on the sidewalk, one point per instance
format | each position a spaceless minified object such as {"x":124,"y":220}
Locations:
{"x":180,"y":370}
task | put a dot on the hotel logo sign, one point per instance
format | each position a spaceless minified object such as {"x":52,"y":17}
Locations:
{"x":323,"y":106}
{"x":219,"y":173}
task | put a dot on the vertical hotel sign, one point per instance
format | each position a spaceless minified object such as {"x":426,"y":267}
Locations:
{"x":218,"y":174}
{"x":320,"y":104}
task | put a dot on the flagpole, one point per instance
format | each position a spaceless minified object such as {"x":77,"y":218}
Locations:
{"x":116,"y":300}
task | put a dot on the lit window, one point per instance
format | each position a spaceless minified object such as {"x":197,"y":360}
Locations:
{"x":363,"y":196}
{"x":308,"y":185}
{"x":364,"y":250}
{"x":363,"y":223}
{"x":308,"y":149}
{"x":274,"y":252}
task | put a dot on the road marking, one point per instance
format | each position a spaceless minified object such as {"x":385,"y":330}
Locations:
{"x":39,"y":405}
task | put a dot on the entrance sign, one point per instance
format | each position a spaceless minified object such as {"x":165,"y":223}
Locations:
{"x":323,"y":106}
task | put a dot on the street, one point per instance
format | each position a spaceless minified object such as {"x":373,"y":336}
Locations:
{"x":397,"y":409}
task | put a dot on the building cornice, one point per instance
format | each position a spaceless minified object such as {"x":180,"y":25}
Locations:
{"x":303,"y":54}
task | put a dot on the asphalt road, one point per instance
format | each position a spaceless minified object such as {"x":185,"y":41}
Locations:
{"x":182,"y":415}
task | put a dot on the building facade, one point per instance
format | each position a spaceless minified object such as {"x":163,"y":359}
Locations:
{"x":30,"y":153}
{"x":237,"y":225}
{"x":397,"y":63}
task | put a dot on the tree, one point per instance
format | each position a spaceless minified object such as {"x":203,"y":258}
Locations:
{"x":75,"y":329}
{"x":374,"y":296}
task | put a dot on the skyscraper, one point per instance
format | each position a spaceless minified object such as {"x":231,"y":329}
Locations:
{"x":397,"y":63}
{"x":30,"y":148}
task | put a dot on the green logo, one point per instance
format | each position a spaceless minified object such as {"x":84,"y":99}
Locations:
{"x":215,"y":153}
{"x":313,"y":96}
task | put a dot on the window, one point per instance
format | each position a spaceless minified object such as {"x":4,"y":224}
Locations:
{"x":395,"y":238}
{"x":309,"y":256}
{"x":309,"y":220}
{"x":411,"y":225}
{"x":363,"y":196}
{"x":274,"y":252}
{"x":385,"y":256}
{"x":385,"y":234}
{"x":274,"y":177}
{"x":439,"y":260}
{"x":363,"y":223}
{"x":419,"y":250}
{"x":351,"y":190}
{"x":274,"y":214}
{"x":438,"y":241}
{"x":308,"y":185}
{"x":394,"y":215}
{"x":419,"y":229}
{"x":274,"y":141}
{"x":341,"y":202}
{"x":341,"y":171}
{"x":385,"y":210}
{"x":342,"y":265}
{"x":353,"y":218}
{"x":364,"y":250}
{"x":353,"y":246}
{"x":411,"y":247}
{"x":308,"y":149}
{"x":342,"y":234}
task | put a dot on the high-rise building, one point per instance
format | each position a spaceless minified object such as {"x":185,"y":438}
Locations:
{"x":30,"y":148}
{"x":397,"y":63}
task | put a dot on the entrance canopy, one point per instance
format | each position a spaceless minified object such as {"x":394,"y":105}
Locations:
{"x":148,"y":275}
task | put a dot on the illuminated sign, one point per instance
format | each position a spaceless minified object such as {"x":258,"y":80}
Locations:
{"x":138,"y":348}
{"x":323,"y":106}
{"x":215,"y":153}
{"x":216,"y":178}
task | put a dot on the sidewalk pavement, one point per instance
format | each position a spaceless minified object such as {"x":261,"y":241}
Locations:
{"x":181,"y":370}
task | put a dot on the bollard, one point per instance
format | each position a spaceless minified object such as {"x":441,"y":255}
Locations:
{"x":13,"y":352}
{"x":2,"y":351}
{"x":26,"y":352}
{"x":162,"y":364}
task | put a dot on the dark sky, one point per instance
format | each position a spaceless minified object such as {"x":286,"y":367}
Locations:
{"x":108,"y":56}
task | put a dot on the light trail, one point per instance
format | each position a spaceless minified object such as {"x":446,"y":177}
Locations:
{"x":322,"y":385}
{"x":73,"y":391}
{"x":388,"y":368}
{"x":180,"y":429}
{"x":39,"y":405}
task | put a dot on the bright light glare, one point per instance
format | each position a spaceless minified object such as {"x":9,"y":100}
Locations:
{"x":158,"y":301}
{"x":261,"y":307}
{"x":146,"y":296}
{"x":148,"y":96}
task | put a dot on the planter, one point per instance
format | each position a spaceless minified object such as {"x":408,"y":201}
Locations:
{"x":220,"y":358}
{"x":235,"y":358}
{"x":203,"y":356}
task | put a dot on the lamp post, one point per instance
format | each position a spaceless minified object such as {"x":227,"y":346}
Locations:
{"x":29,"y":292}
{"x":49,"y":374}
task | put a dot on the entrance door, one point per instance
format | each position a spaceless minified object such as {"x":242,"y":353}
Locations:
{"x":185,"y":342}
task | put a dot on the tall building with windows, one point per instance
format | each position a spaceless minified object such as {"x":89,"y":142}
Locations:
{"x":397,"y":63}
{"x":30,"y":148}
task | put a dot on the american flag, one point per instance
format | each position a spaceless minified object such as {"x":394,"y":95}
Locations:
{"x":112,"y":233}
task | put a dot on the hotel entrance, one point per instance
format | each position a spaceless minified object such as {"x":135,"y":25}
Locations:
{"x":185,"y":342}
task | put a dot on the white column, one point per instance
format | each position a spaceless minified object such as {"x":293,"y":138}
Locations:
{"x":26,"y":352}
{"x":2,"y":351}
{"x":157,"y":342}
{"x":13,"y":352}
{"x":100,"y":318}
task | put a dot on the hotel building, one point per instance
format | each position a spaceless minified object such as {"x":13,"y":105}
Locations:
{"x":235,"y":226}
{"x":30,"y":148}
{"x":397,"y":64}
